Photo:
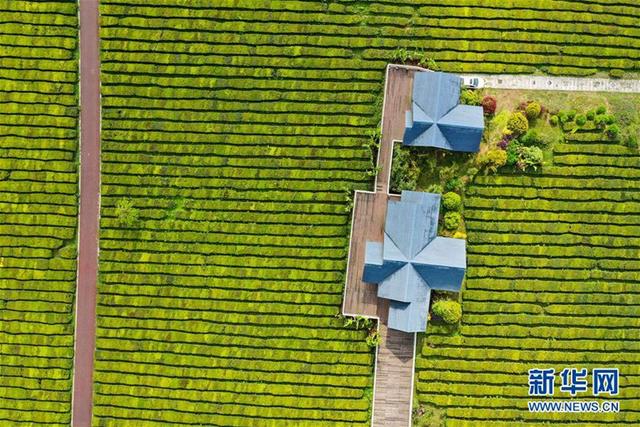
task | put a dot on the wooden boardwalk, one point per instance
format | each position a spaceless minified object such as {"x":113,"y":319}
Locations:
{"x":394,"y":361}
{"x":394,"y":375}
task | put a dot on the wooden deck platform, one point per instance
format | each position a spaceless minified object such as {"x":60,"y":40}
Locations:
{"x":393,"y":392}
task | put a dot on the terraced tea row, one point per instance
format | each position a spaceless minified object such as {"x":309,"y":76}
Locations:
{"x":307,"y":39}
{"x":38,"y":208}
{"x":552,"y":282}
{"x":222,"y":296}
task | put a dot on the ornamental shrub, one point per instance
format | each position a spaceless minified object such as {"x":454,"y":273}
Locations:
{"x":489,"y":105}
{"x":470,"y":97}
{"x":126,"y":214}
{"x":530,"y":157}
{"x":554,"y":120}
{"x":532,"y":137}
{"x":449,"y":311}
{"x":454,"y":184}
{"x":601,"y":109}
{"x":581,"y":119}
{"x":492,"y":160}
{"x":452,"y":220}
{"x":512,"y":153}
{"x":609,"y":119}
{"x":518,"y":124}
{"x":591,"y":114}
{"x":452,"y":201}
{"x":571,"y":114}
{"x":533,"y":110}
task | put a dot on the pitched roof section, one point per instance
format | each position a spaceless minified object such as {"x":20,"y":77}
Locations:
{"x":412,"y":260}
{"x":437,"y":120}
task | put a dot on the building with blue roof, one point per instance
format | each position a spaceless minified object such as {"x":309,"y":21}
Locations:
{"x":412,"y":260}
{"x":436,"y":119}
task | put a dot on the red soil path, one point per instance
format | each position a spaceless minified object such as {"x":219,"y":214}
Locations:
{"x":85,"y":338}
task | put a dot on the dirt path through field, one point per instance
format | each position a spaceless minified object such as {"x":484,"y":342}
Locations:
{"x":85,"y":331}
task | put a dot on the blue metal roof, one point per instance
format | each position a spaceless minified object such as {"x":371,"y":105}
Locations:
{"x":437,"y":120}
{"x":412,"y":260}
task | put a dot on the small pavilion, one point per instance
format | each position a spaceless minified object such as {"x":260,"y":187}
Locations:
{"x":436,"y":119}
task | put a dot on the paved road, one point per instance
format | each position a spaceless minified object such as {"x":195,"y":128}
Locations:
{"x":85,"y":331}
{"x":506,"y":81}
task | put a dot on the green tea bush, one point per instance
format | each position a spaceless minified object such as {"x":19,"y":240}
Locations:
{"x":601,"y":109}
{"x":449,"y":311}
{"x":581,"y":119}
{"x":518,"y":123}
{"x":613,"y":131}
{"x":126,"y":213}
{"x":553,"y":120}
{"x":470,"y":97}
{"x":452,"y":201}
{"x":452,"y":220}
{"x":616,"y":74}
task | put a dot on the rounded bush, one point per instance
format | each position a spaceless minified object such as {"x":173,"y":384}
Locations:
{"x":601,"y":109}
{"x":530,"y":157}
{"x":452,"y":220}
{"x":581,"y":119}
{"x":554,"y":120}
{"x":613,"y":131}
{"x":489,"y":105}
{"x":533,"y":110}
{"x":452,"y":201}
{"x":562,"y":116}
{"x":532,"y":137}
{"x":571,"y":114}
{"x":518,"y":124}
{"x":591,"y":115}
{"x":449,"y":311}
{"x":493,"y":160}
{"x":600,"y":121}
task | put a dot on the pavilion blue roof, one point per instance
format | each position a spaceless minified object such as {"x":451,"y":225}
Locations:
{"x":437,"y":120}
{"x":412,"y":260}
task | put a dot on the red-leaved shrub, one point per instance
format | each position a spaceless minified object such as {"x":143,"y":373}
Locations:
{"x":489,"y":105}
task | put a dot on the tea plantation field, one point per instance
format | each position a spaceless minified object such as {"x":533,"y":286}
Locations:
{"x":236,"y":129}
{"x":38,"y":186}
{"x":553,"y":282}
